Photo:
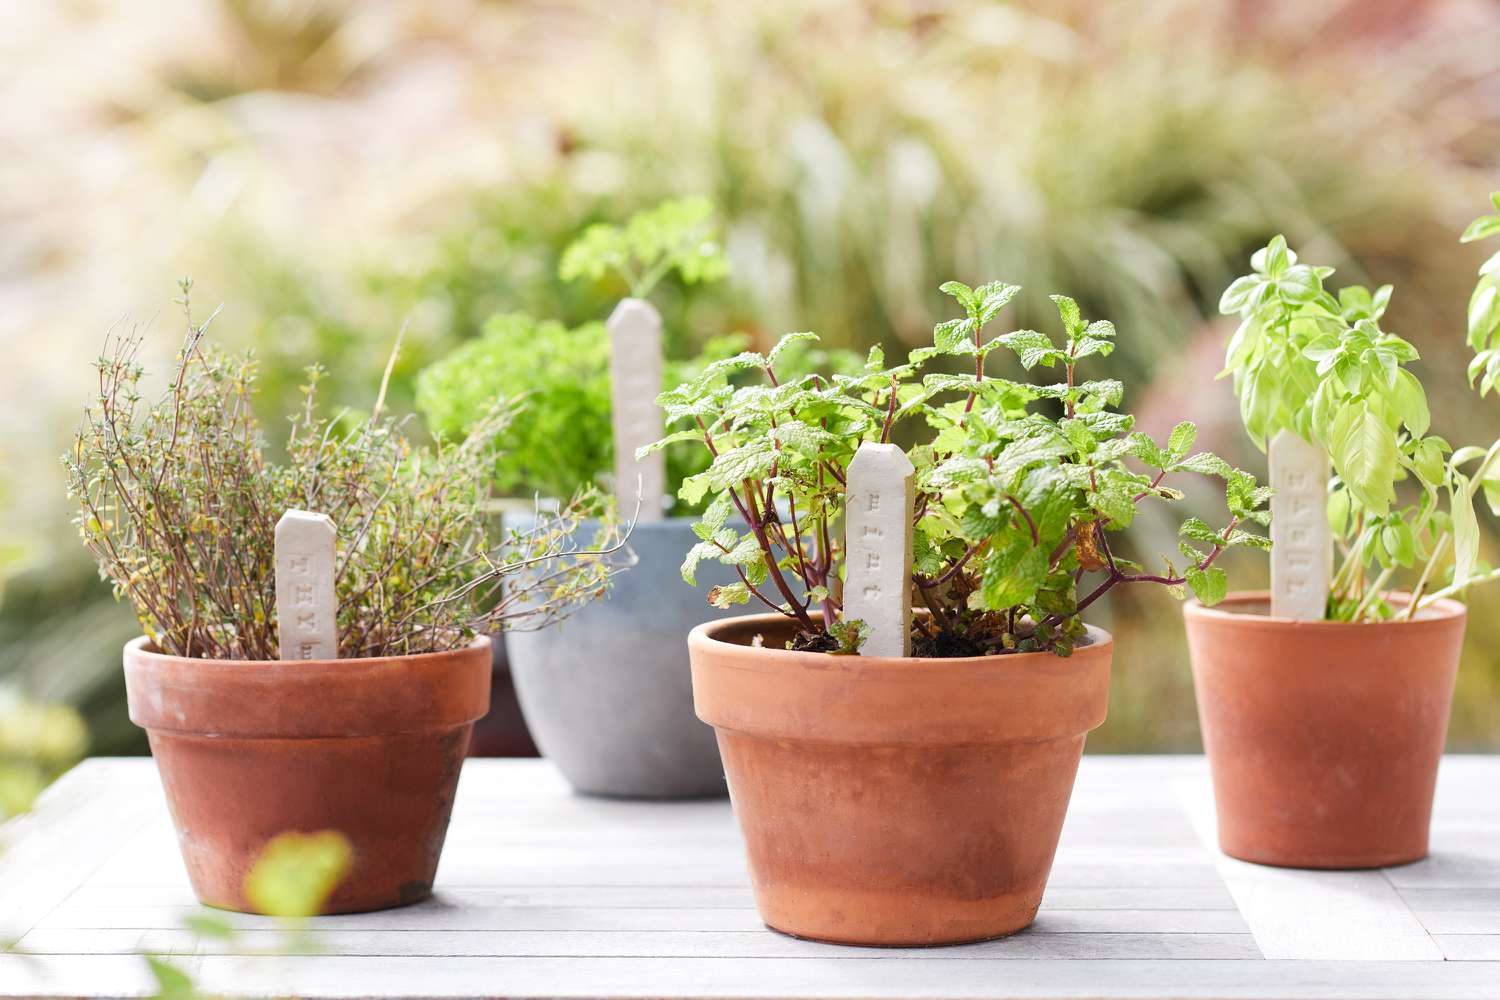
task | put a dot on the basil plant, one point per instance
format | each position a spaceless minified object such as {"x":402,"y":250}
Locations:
{"x":1319,"y":363}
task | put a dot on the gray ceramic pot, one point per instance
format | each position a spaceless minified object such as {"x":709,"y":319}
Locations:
{"x":608,"y":692}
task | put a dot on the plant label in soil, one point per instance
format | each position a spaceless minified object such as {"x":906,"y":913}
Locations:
{"x":306,"y":609}
{"x":1301,"y":542}
{"x":636,"y":381}
{"x":877,"y":543}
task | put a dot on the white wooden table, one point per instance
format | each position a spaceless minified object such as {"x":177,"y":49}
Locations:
{"x":545,"y":893}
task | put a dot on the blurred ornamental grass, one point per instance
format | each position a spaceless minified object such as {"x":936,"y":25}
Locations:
{"x":1133,"y":153}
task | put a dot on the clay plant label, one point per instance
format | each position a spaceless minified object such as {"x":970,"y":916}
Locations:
{"x":636,"y":381}
{"x":877,"y":541}
{"x":306,"y":608}
{"x":1301,"y":542}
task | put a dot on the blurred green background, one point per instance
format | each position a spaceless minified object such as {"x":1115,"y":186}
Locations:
{"x":331,"y":171}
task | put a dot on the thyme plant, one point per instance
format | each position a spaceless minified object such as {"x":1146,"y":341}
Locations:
{"x":178,"y":502}
{"x":1319,"y":364}
{"x":1018,"y":485}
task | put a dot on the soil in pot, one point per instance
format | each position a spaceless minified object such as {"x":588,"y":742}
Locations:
{"x":607,"y":693}
{"x":1323,"y":737}
{"x":896,"y":802}
{"x":371,"y":748}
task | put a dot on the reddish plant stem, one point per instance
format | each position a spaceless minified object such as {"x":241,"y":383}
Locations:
{"x":953,"y":570}
{"x":1116,"y":576}
{"x":799,"y":610}
{"x":890,"y":414}
{"x":1150,"y":489}
{"x":978,"y":374}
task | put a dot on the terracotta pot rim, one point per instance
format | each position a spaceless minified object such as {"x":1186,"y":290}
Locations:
{"x":1438,"y":616}
{"x":141,"y":647}
{"x":307,"y":699}
{"x":705,"y":637}
{"x":1002,"y":699}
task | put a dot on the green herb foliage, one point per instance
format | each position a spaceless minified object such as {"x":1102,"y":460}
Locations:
{"x":1319,"y":364}
{"x":1484,"y":306}
{"x":561,"y":439}
{"x":179,"y":504}
{"x":1018,"y":485}
{"x":676,"y":234}
{"x":559,"y":376}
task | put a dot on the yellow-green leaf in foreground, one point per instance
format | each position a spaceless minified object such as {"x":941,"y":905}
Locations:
{"x":296,"y":872}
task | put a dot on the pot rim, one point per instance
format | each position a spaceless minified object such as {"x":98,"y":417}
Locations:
{"x":306,"y":699}
{"x":141,"y":647}
{"x":806,"y":697}
{"x":703,"y":635}
{"x":1440,"y":615}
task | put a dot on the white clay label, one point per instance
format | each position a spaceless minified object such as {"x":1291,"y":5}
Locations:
{"x":1301,"y":542}
{"x":636,"y":381}
{"x":877,"y":547}
{"x":306,"y":607}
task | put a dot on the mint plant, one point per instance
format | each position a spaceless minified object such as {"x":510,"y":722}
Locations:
{"x":1319,"y":364}
{"x":677,"y":234}
{"x":1018,"y":485}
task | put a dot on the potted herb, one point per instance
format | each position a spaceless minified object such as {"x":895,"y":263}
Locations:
{"x":313,"y":656}
{"x":902,"y":779}
{"x":608,"y":696}
{"x":1324,"y":704}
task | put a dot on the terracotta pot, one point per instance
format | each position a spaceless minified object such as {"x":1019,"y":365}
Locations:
{"x":1323,"y":737}
{"x":369,"y":747}
{"x":896,"y":801}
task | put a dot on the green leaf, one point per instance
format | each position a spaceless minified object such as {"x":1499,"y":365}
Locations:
{"x":954,"y":336}
{"x":1007,"y":581}
{"x":751,"y":460}
{"x":705,"y":549}
{"x":208,"y":925}
{"x":1182,"y":438}
{"x":1209,"y":585}
{"x":1115,"y":503}
{"x":171,"y":982}
{"x":670,"y":439}
{"x":715,"y":516}
{"x":296,"y":872}
{"x":1033,"y":347}
{"x":1411,"y":402}
{"x":675,"y":234}
{"x":1481,"y":228}
{"x":1199,"y":531}
{"x":788,"y":341}
{"x":991,"y":298}
{"x":728,"y":595}
{"x":1207,"y":464}
{"x":1071,"y":316}
{"x":694,"y":488}
{"x":1363,"y":448}
{"x":1484,"y":316}
{"x":850,"y":635}
{"x":744,"y":552}
{"x":963,"y":293}
{"x":1240,"y":295}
